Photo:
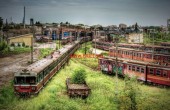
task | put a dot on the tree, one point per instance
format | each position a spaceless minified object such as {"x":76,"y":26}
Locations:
{"x":136,"y":28}
{"x":130,"y":96}
{"x":37,"y":23}
{"x":67,"y":22}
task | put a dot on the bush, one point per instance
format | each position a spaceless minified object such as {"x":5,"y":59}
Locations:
{"x":23,"y":44}
{"x":12,"y":45}
{"x":19,"y":45}
{"x":3,"y":45}
{"x":79,"y":76}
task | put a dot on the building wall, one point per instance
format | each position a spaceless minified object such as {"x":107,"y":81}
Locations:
{"x":135,"y":38}
{"x":20,"y":39}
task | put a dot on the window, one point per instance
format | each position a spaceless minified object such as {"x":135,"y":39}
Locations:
{"x":169,"y":59}
{"x":151,"y":71}
{"x":142,"y":70}
{"x":130,"y":67}
{"x":165,"y":74}
{"x":137,"y":54}
{"x":158,"y":72}
{"x":138,"y":69}
{"x":134,"y":54}
{"x":133,"y":68}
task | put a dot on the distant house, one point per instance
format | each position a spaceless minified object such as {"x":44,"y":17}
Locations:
{"x":134,"y":37}
{"x":26,"y":38}
{"x":122,"y":26}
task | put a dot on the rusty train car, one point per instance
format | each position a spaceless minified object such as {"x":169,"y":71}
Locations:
{"x":148,"y":72}
{"x":161,"y":59}
{"x":156,"y":54}
{"x":34,"y":77}
{"x":164,"y":48}
{"x":167,"y":44}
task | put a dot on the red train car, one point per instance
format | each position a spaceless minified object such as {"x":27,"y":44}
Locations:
{"x":144,"y":71}
{"x":167,"y":44}
{"x":145,"y":48}
{"x":163,"y":59}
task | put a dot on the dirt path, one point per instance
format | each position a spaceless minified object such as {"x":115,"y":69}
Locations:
{"x":8,"y":65}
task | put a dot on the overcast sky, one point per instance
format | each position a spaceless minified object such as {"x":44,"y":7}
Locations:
{"x":90,"y":12}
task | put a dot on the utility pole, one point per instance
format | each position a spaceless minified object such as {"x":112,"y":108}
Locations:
{"x":60,"y":36}
{"x":116,"y":42}
{"x":33,"y":29}
{"x":95,"y":41}
{"x":24,"y":18}
{"x":85,"y":39}
{"x":153,"y":45}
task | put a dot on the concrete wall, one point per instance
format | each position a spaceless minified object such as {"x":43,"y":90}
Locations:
{"x":20,"y":39}
{"x":135,"y":37}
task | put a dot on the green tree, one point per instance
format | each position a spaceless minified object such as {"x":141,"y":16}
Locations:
{"x":128,"y":99}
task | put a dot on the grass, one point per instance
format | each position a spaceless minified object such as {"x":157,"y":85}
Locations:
{"x":103,"y":93}
{"x":90,"y":62}
{"x":45,"y":52}
{"x":17,"y":50}
{"x":54,"y":97}
{"x":157,"y":39}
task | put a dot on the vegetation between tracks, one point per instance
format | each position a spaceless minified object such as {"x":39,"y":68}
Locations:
{"x":103,"y":87}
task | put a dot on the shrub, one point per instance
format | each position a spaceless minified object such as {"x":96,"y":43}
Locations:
{"x":3,"y":45}
{"x":19,"y":45}
{"x":79,"y":76}
{"x":23,"y":44}
{"x":12,"y":45}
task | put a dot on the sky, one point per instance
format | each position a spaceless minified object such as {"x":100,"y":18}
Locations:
{"x":90,"y":12}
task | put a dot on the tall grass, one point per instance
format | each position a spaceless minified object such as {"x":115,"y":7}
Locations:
{"x":102,"y":97}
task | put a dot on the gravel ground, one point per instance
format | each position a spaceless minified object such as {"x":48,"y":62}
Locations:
{"x":9,"y":65}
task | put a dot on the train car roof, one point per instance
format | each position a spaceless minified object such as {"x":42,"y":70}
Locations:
{"x":113,"y":47}
{"x":140,"y":51}
{"x":156,"y":46}
{"x":61,"y":51}
{"x":165,"y":43}
{"x":40,"y":65}
{"x":35,"y":68}
{"x":136,"y":62}
{"x":145,"y":46}
{"x":134,"y":45}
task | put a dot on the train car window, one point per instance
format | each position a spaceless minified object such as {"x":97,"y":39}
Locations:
{"x":37,"y":78}
{"x":133,"y":68}
{"x":165,"y":74}
{"x":169,"y":59}
{"x":134,"y":54}
{"x":130,"y":67}
{"x":158,"y":72}
{"x":151,"y":71}
{"x":142,"y":70}
{"x":41,"y":76}
{"x":138,"y":69}
{"x":30,"y":80}
{"x":20,"y":80}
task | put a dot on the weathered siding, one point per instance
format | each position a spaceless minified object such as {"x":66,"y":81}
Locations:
{"x":20,"y":39}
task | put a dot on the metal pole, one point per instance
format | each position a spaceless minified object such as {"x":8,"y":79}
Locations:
{"x":152,"y":46}
{"x":33,"y":31}
{"x":95,"y":41}
{"x":116,"y":68}
{"x":85,"y":41}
